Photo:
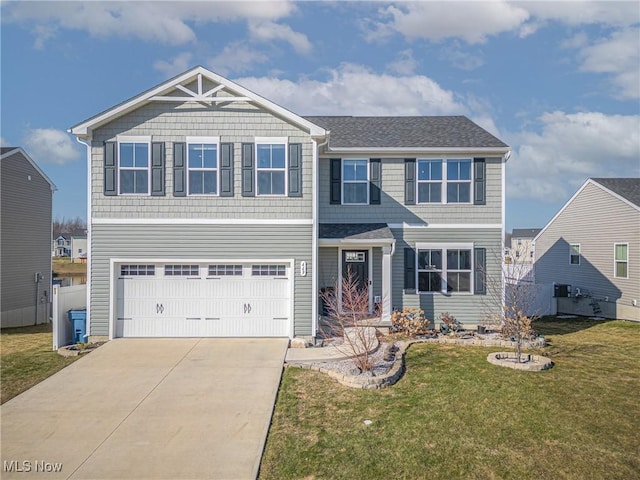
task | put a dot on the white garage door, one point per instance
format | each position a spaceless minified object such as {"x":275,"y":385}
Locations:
{"x":204,"y":300}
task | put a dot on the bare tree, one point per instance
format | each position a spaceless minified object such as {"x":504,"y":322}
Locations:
{"x":68,"y":225}
{"x":348,"y":312}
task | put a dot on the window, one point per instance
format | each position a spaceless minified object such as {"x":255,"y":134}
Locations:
{"x":574,"y":254}
{"x":430,"y":181}
{"x":355,"y":182}
{"x":137,"y":270}
{"x":269,"y":270}
{"x":445,"y":269}
{"x":621,"y":260}
{"x":181,"y":270}
{"x":202,"y":164}
{"x":271,"y":168}
{"x":458,"y":181}
{"x":133,"y":164}
{"x":225,"y":270}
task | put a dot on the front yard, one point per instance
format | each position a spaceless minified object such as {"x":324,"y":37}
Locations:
{"x":27,"y":358}
{"x":453,"y":415}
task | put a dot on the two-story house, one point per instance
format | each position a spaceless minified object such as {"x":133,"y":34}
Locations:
{"x":216,"y":212}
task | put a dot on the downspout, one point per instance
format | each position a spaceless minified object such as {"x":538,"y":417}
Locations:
{"x":314,"y":242}
{"x":89,"y":242}
{"x":503,"y":231}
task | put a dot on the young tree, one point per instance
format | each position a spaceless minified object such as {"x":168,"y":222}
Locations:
{"x":348,"y":314}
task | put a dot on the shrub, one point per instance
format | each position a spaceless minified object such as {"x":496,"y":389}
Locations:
{"x":410,"y":321}
{"x":449,"y":323}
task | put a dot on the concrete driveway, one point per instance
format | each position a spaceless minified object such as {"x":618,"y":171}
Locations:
{"x":148,"y":409}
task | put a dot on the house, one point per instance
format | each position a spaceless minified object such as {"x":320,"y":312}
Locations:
{"x":26,"y":195}
{"x":73,"y":245}
{"x":519,"y":247}
{"x":216,"y":212}
{"x":590,"y":250}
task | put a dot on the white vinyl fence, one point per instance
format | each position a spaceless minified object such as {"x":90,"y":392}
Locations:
{"x":65,"y":299}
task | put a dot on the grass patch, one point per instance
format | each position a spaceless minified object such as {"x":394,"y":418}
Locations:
{"x":26,"y":359}
{"x":63,"y":267}
{"x":454,"y":415}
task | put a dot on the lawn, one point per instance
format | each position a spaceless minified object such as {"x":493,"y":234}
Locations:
{"x":64,"y":266}
{"x":26,"y":358}
{"x":453,"y":415}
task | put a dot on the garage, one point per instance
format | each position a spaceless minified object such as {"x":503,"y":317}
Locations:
{"x":234,"y":299}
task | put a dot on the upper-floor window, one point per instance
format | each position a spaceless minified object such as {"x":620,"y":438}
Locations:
{"x":621,"y":259}
{"x":574,"y":254}
{"x":133,"y":166}
{"x":271,"y":168}
{"x":444,"y":181}
{"x":202,"y":164}
{"x":355,"y":182}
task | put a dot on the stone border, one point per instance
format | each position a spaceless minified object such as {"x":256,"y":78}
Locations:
{"x":536,"y":363}
{"x":397,"y":369}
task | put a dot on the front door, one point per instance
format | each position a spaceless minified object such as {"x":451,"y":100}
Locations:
{"x":357,"y":262}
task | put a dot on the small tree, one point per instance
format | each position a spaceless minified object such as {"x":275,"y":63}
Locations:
{"x":349,"y":313}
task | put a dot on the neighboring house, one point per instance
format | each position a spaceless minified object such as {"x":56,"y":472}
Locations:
{"x":62,"y":246}
{"x":591,"y":250}
{"x":71,"y":245}
{"x":215,"y":212}
{"x":519,"y":248}
{"x":26,"y":195}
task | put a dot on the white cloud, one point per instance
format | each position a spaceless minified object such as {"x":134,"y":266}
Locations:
{"x":48,"y":145}
{"x":404,"y":64}
{"x":458,"y":58}
{"x":614,"y":13}
{"x":236,"y":58}
{"x":176,"y":65}
{"x":549,"y":165}
{"x":264,"y":31}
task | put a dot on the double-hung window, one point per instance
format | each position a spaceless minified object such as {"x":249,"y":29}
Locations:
{"x":133,"y":166}
{"x":574,"y":254}
{"x":444,"y":181}
{"x":446,"y":269}
{"x":458,"y":181}
{"x":430,"y":181}
{"x":202,"y":164}
{"x":355,"y":182}
{"x":430,"y":270}
{"x":271,"y":167}
{"x":621,"y":259}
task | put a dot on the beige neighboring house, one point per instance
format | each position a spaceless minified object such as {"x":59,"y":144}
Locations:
{"x":26,"y":195}
{"x":590,"y":251}
{"x":520,"y":248}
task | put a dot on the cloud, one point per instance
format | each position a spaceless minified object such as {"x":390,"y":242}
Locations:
{"x":4,"y":142}
{"x":459,"y":58}
{"x":548,"y":165}
{"x":405,"y":64}
{"x":48,"y":145}
{"x":176,"y":65}
{"x":265,"y":31}
{"x":236,"y":58}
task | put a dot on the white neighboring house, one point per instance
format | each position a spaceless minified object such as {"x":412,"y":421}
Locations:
{"x":590,"y":250}
{"x":73,"y":246}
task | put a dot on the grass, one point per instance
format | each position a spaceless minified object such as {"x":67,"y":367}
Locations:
{"x":453,"y":415}
{"x":63,"y":267}
{"x":26,"y":358}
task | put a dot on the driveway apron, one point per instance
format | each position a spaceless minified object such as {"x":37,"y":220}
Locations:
{"x":148,"y":409}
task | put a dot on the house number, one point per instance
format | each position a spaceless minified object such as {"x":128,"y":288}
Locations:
{"x":303,"y":269}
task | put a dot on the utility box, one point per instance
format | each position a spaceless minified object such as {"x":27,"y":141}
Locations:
{"x":78,"y":319}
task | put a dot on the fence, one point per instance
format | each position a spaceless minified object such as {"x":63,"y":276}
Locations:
{"x":535,"y":298}
{"x":65,"y":299}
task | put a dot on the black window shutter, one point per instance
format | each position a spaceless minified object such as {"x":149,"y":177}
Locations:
{"x":295,"y":169}
{"x":157,"y":169}
{"x":409,"y":269}
{"x":479,"y":182}
{"x":110,"y":169}
{"x":248,"y":171}
{"x":375,"y":181}
{"x":480,"y":284}
{"x":226,"y":169}
{"x":336,"y":181}
{"x":179,"y":170}
{"x":409,"y":181}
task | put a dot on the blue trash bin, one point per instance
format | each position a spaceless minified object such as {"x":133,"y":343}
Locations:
{"x":78,"y":319}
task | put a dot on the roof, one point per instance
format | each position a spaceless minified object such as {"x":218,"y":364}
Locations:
{"x":355,"y":231}
{"x":525,"y":232}
{"x":406,"y":132}
{"x":627,"y":188}
{"x":6,"y":152}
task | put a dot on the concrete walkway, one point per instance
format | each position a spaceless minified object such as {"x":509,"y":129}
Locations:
{"x":357,"y":343}
{"x":148,"y":409}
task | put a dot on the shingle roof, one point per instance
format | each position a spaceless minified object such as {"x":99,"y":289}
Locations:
{"x":4,"y":150}
{"x":627,"y":188}
{"x":356,"y":231}
{"x":405,"y":132}
{"x":525,"y":232}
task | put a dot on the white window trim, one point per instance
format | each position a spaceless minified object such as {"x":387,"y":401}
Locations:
{"x":210,"y":141}
{"x":343,"y":181}
{"x":134,"y":139}
{"x":615,"y":261}
{"x":272,"y":141}
{"x":445,"y":181}
{"x":444,"y":247}
{"x":571,"y":245}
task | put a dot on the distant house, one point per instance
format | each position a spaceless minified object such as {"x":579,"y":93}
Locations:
{"x":26,"y":195}
{"x":591,"y":250}
{"x":70,"y":245}
{"x":519,"y":245}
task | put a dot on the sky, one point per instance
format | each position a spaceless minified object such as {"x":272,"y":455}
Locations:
{"x":557,"y":81}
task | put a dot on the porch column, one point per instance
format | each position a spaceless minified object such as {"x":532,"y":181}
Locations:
{"x":386,"y":283}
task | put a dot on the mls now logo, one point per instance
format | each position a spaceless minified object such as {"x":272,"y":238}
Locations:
{"x":29,"y":466}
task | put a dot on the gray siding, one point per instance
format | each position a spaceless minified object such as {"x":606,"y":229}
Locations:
{"x":596,"y":220}
{"x":393,"y":210}
{"x":327,"y":266}
{"x":215,"y":242}
{"x":466,"y":308}
{"x":168,"y":122}
{"x":25,"y":242}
